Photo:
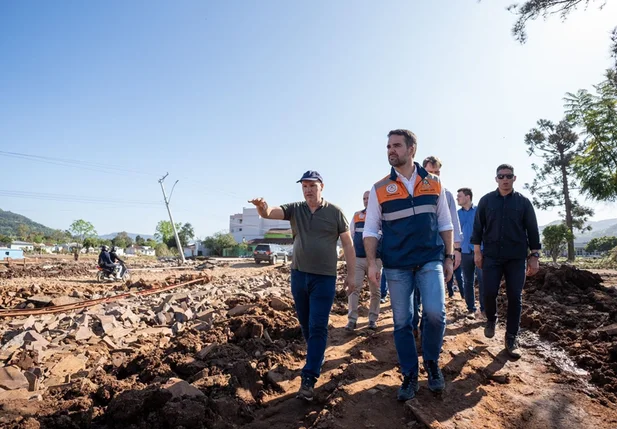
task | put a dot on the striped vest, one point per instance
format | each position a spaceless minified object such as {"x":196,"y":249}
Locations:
{"x":409,"y":223}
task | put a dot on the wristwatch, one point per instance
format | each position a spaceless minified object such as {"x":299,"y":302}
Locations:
{"x":533,"y":255}
{"x":458,"y":249}
{"x":450,"y":256}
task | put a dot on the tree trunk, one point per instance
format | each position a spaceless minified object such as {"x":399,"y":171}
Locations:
{"x":568,"y":206}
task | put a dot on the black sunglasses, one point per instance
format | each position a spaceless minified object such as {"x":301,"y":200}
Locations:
{"x":505,"y":176}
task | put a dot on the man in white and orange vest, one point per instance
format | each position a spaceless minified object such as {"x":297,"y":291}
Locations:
{"x":408,"y":211}
{"x":357,"y":228}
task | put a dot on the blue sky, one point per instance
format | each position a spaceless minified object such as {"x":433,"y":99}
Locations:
{"x":237,"y":99}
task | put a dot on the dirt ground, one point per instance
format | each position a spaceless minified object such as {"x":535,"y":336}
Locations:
{"x":244,"y":371}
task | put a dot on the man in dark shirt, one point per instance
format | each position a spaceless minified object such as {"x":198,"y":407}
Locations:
{"x":506,"y":225}
{"x":316,"y":226}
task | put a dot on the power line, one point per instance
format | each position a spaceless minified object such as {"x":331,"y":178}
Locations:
{"x":73,"y":198}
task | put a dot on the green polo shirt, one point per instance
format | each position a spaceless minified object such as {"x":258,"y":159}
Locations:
{"x":315,"y":236}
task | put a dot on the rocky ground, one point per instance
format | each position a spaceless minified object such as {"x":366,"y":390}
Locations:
{"x":224,"y":350}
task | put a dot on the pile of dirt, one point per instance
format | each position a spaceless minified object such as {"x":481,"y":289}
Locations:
{"x":200,"y":378}
{"x":570,"y":307}
{"x":46,"y":271}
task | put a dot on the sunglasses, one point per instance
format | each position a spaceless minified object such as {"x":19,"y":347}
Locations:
{"x":505,"y":176}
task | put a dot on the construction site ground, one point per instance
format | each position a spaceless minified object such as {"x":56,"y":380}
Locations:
{"x":224,"y":350}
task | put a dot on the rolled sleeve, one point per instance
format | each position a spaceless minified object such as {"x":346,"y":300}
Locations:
{"x":444,"y":219}
{"x":458,"y":237}
{"x":372,"y":223}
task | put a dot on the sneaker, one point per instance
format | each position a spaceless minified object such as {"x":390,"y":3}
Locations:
{"x":372,"y":326}
{"x":489,"y":329}
{"x":307,"y":387}
{"x":323,"y":361}
{"x":511,"y":343}
{"x":408,"y":389}
{"x":436,"y":382}
{"x":382,"y":300}
{"x":471,"y":314}
{"x":455,"y":288}
{"x":351,"y":326}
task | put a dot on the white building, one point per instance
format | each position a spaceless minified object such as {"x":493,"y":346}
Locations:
{"x":248,"y":225}
{"x":140,"y":250}
{"x":23,"y":245}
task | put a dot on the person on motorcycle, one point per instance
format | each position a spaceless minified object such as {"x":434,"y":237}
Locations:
{"x":117,"y":261}
{"x":105,"y":261}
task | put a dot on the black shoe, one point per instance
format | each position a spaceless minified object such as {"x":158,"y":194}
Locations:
{"x":372,"y":326}
{"x":351,"y":326}
{"x":408,"y":389}
{"x":307,"y":387}
{"x":436,"y":382}
{"x":489,"y":329}
{"x":511,"y":344}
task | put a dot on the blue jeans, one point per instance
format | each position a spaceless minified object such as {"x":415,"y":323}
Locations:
{"x":384,"y":285}
{"x":402,"y":283}
{"x":313,"y":297}
{"x":459,"y":282}
{"x":514,"y":270}
{"x":470,"y":271}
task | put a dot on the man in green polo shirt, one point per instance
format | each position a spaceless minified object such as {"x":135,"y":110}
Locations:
{"x":316,"y":226}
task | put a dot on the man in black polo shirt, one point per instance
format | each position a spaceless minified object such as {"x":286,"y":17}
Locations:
{"x":316,"y":226}
{"x":506,"y":225}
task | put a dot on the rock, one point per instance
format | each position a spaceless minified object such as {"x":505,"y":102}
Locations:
{"x":31,"y":337}
{"x":83,"y":333}
{"x":62,"y":300}
{"x":108,"y":323}
{"x":177,"y":327}
{"x":201,"y":381}
{"x":183,"y":316}
{"x":206,"y":316}
{"x":179,"y":388}
{"x":76,"y":294}
{"x":610,"y":330}
{"x":240,"y":310}
{"x":12,"y":378}
{"x":40,"y":300}
{"x":279,"y":305}
{"x":68,"y":365}
{"x":205,"y":351}
{"x":161,"y":318}
{"x":29,"y":323}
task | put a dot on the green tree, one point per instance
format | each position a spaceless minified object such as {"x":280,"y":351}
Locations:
{"x":92,"y":241}
{"x":186,"y":234}
{"x":80,"y":229}
{"x":122,"y":240}
{"x":164,"y":231}
{"x":151,"y":243}
{"x":533,"y":9}
{"x":596,"y":115}
{"x":555,"y":239}
{"x":6,"y":240}
{"x":552,"y":185}
{"x":23,"y":232}
{"x":139,"y":240}
{"x":161,"y":249}
{"x":219,"y":241}
{"x":601,"y":244}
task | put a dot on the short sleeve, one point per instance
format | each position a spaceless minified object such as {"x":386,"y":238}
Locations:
{"x":343,"y":224}
{"x":288,"y":210}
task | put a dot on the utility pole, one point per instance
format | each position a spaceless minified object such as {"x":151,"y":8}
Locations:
{"x":171,"y":219}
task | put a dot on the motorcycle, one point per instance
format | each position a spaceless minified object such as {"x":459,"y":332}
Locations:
{"x":104,"y":276}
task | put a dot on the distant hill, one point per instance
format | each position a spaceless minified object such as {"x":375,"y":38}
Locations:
{"x":600,"y":228}
{"x":130,"y":234}
{"x":9,"y":223}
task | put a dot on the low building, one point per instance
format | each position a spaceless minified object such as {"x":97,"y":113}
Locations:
{"x":23,"y":245}
{"x":248,"y":225}
{"x":135,"y":250}
{"x":6,"y":253}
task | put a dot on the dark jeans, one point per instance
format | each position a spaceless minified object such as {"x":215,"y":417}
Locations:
{"x":470,"y":271}
{"x":384,"y":284}
{"x":459,"y":282}
{"x":514,"y":272}
{"x":313,"y":297}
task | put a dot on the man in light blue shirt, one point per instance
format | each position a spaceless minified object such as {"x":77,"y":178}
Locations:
{"x":466,"y":215}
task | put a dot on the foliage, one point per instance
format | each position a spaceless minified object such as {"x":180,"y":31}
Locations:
{"x":552,"y":185}
{"x":81,"y":229}
{"x":140,"y":241}
{"x":555,"y":238}
{"x":185,"y":234}
{"x":601,"y":244}
{"x":122,"y":240}
{"x":165,"y":233}
{"x":5,"y":240}
{"x":218,"y":242}
{"x":9,"y":224}
{"x":596,"y":115}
